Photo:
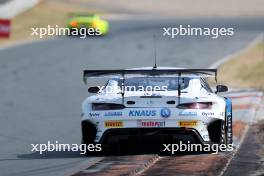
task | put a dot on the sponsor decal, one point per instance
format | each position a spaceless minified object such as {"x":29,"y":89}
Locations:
{"x":112,"y":114}
{"x":94,"y":114}
{"x":151,"y":123}
{"x":207,"y":113}
{"x":165,"y":112}
{"x":141,"y":113}
{"x":116,"y":124}
{"x":192,"y":123}
{"x":187,"y":113}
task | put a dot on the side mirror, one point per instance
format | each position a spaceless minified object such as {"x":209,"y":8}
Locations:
{"x":94,"y":89}
{"x":221,"y":88}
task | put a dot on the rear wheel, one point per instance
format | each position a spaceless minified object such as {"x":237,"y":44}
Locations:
{"x":88,"y":134}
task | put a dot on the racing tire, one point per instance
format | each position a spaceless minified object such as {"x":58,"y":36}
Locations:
{"x":88,"y":132}
{"x":88,"y":135}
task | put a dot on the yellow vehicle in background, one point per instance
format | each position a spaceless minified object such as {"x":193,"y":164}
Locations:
{"x":88,"y":21}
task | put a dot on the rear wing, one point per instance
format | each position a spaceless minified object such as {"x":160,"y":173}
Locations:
{"x":148,"y":73}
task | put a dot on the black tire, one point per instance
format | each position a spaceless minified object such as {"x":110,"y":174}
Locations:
{"x":88,"y":134}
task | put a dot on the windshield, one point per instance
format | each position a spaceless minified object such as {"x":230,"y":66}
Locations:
{"x":154,"y":83}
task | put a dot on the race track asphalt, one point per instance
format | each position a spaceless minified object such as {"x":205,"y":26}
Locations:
{"x":3,"y":1}
{"x":41,"y":85}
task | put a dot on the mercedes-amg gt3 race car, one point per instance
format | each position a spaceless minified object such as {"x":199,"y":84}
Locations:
{"x":182,"y":107}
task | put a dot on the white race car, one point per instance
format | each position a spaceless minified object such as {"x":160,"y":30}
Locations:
{"x":164,"y":103}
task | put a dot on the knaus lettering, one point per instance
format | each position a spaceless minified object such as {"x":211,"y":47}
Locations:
{"x":140,"y":113}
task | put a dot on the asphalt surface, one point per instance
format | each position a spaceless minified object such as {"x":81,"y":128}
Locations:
{"x":3,"y":1}
{"x":41,"y":85}
{"x":248,"y":160}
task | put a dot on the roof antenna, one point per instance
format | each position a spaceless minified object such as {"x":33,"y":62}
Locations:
{"x":155,"y":52}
